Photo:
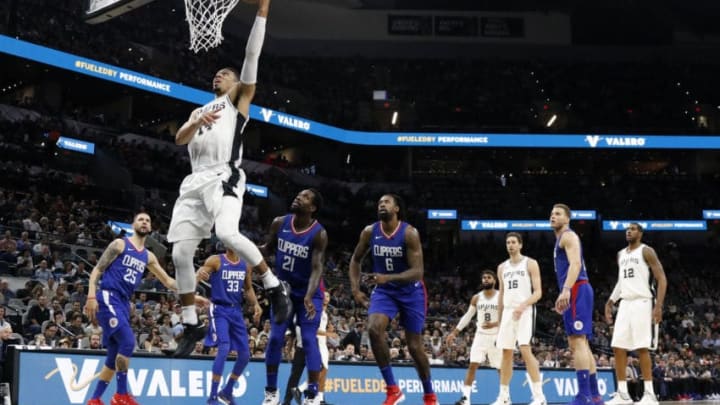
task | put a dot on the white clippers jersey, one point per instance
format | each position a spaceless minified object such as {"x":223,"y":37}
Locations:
{"x":220,"y":143}
{"x":487,"y":311}
{"x":634,"y":275}
{"x":518,"y":285}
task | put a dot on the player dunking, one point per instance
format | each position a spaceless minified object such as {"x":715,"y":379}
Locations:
{"x":636,"y":326}
{"x":486,"y":305}
{"x":212,"y":193}
{"x":120,"y":271}
{"x":299,"y":242}
{"x":575,"y":303}
{"x":520,"y":289}
{"x":229,"y":277}
{"x":398,"y":273}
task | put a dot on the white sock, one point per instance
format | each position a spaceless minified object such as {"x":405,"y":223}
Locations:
{"x":320,"y":396}
{"x":466,"y":390}
{"x":189,"y":315}
{"x":302,"y":387}
{"x":622,"y":386}
{"x":536,"y":389}
{"x":269,"y":280}
{"x":648,"y":387}
{"x":504,"y":391}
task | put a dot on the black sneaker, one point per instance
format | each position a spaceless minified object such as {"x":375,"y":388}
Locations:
{"x":191,"y":334}
{"x":280,"y":302}
{"x":297,"y":395}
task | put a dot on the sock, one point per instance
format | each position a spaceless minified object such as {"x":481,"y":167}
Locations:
{"x":302,"y":387}
{"x":312,"y":390}
{"x":214,"y":389}
{"x":622,"y":386}
{"x":388,"y":376}
{"x":121,"y":382}
{"x":427,"y":386}
{"x":648,"y":385}
{"x":320,"y":396}
{"x":228,"y":389}
{"x":466,"y":390}
{"x":504,"y":391}
{"x":189,"y":315}
{"x":583,"y":379}
{"x":271,"y":381}
{"x":594,"y":385}
{"x":536,"y":389}
{"x":100,"y":389}
{"x":269,"y":280}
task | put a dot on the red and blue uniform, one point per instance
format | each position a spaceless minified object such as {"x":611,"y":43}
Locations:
{"x":578,"y":317}
{"x":389,"y":256}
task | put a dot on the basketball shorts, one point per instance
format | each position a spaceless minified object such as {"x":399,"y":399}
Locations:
{"x":410,"y":302}
{"x":227,"y":326}
{"x":578,"y":317}
{"x":113,"y":314}
{"x":483,"y":347}
{"x":634,"y":326}
{"x":512,"y":331}
{"x":200,"y":202}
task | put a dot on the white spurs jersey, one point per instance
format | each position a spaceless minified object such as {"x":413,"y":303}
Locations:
{"x":322,"y":328}
{"x":517,"y":287}
{"x":487,"y":311}
{"x":221,"y":142}
{"x":634,"y":276}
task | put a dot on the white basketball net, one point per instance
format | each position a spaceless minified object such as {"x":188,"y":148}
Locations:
{"x":205,"y":18}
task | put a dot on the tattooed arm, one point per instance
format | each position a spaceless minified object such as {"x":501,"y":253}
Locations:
{"x":111,"y":253}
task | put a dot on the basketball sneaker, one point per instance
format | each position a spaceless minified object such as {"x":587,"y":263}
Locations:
{"x":394,"y":395}
{"x":430,"y":399}
{"x":540,"y":400}
{"x":123,"y":399}
{"x":191,"y":334}
{"x":502,"y":401}
{"x":280,"y":302}
{"x":598,"y":400}
{"x":462,"y":401}
{"x":271,"y":397}
{"x":647,"y":399}
{"x":211,"y":401}
{"x":95,"y":401}
{"x":620,"y":398}
{"x":226,"y":399}
{"x":581,"y":400}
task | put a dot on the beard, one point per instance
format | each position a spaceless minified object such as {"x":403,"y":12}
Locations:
{"x":141,"y":232}
{"x":384,"y":216}
{"x":484,"y":286}
{"x":295,"y":209}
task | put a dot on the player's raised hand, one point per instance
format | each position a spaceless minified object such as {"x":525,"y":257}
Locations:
{"x":91,"y":307}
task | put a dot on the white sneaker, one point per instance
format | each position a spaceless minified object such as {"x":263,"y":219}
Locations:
{"x":502,"y":401}
{"x":463,"y":401}
{"x":271,"y":398}
{"x":620,"y":398}
{"x":313,"y":401}
{"x":538,"y":401}
{"x":647,"y":399}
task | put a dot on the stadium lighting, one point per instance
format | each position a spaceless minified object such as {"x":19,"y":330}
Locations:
{"x":394,"y":119}
{"x":551,"y":121}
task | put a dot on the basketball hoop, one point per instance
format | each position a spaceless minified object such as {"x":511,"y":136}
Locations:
{"x":205,"y":18}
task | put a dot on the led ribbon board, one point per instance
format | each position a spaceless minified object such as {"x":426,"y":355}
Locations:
{"x":152,"y":84}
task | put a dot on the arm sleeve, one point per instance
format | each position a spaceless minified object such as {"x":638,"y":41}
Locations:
{"x":465,"y":320}
{"x":248,"y":75}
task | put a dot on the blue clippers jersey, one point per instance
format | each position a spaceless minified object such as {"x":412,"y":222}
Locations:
{"x":125,"y":272}
{"x":389,"y":254}
{"x":293,"y":259}
{"x":227,"y":283}
{"x":562,"y":264}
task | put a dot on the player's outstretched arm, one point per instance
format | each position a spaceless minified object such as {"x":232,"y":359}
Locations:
{"x":268,"y":247}
{"x":155,"y":268}
{"x":195,"y":121}
{"x":361,"y":249}
{"x":111,"y":253}
{"x":464,"y":321}
{"x":248,"y":74}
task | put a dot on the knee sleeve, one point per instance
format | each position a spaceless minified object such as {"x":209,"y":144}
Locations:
{"x":226,"y":229}
{"x":243,"y":357}
{"x":223,"y":349}
{"x":183,"y":254}
{"x":312,"y":350}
